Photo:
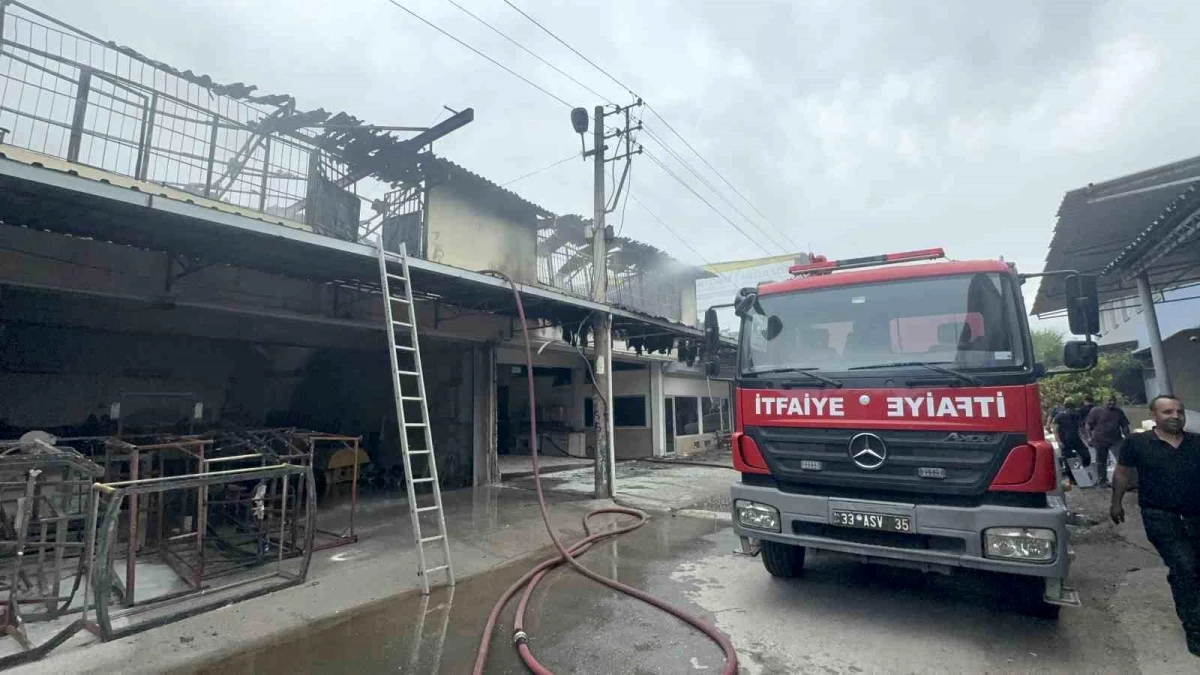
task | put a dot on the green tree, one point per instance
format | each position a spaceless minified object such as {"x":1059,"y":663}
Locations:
{"x":1097,"y":383}
{"x":1127,"y":376}
{"x":1048,"y":347}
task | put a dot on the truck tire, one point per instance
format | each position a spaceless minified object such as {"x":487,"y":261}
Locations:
{"x":1032,"y":599}
{"x":782,"y":560}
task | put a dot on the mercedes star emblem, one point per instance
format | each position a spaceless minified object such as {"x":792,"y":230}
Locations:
{"x":868,"y":451}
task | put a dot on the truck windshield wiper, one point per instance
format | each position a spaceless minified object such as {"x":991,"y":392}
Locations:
{"x":803,"y":371}
{"x":926,"y":364}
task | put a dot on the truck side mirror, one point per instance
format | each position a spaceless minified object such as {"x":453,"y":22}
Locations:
{"x":1080,"y":355}
{"x":712,"y":332}
{"x":1083,"y":304}
{"x":745,"y":303}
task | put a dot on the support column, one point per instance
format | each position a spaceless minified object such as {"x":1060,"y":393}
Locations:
{"x":487,"y":463}
{"x":658,"y":424}
{"x":1161,"y":375}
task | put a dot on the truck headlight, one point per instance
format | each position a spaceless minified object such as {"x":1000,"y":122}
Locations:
{"x":1028,"y":544}
{"x":757,"y":516}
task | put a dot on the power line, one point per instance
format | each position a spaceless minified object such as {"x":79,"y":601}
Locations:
{"x":628,"y":194}
{"x":675,"y":234}
{"x":715,"y":210}
{"x":660,"y":118}
{"x":719,"y":174}
{"x":564,"y":160}
{"x":576,"y":51}
{"x":508,"y":70}
{"x":687,"y":165}
{"x":528,"y":51}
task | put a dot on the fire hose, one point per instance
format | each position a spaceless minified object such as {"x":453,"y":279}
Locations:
{"x":527,"y":583}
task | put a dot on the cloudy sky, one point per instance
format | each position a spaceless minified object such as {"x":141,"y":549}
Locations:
{"x":854,"y":127}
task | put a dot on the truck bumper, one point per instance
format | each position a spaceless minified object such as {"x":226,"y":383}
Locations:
{"x":943,"y":537}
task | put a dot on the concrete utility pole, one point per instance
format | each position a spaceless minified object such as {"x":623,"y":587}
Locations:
{"x":602,"y":321}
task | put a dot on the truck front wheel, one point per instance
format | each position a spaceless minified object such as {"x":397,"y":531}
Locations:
{"x":1031,"y":599}
{"x":782,"y":560}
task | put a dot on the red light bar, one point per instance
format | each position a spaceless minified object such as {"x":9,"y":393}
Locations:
{"x":820,"y":264}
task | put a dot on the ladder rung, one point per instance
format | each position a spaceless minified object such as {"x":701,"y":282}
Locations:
{"x":422,"y":480}
{"x":418,"y":452}
{"x":414,"y":424}
{"x":395,"y":299}
{"x":401,"y":323}
{"x":433,"y":538}
{"x":439,"y":568}
{"x":410,"y":398}
{"x":405,"y":349}
{"x":397,"y":277}
{"x":411,"y":373}
{"x":424,"y":509}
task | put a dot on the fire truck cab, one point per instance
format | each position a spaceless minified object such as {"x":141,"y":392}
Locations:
{"x":891,"y":413}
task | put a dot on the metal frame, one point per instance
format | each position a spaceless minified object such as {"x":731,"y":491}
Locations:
{"x":47,"y":528}
{"x":102,"y":543}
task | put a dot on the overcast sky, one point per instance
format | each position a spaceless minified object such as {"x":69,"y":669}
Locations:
{"x":855,"y":127}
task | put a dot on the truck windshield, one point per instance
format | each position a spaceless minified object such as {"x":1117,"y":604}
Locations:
{"x":963,"y":322}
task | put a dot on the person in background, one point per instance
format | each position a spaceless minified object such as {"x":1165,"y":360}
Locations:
{"x":1164,"y":464}
{"x":1067,"y":428}
{"x":1104,"y":429}
{"x":1089,"y":402}
{"x":1086,"y":409}
{"x":1054,"y":412}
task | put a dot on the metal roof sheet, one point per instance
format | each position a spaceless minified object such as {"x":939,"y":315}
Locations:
{"x":1100,"y":224}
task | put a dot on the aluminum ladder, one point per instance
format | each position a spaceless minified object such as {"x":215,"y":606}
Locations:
{"x":404,"y":380}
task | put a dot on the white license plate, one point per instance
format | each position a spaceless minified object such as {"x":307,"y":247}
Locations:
{"x":871,"y":521}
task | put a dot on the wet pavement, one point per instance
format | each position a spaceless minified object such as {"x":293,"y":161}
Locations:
{"x":358,"y":613}
{"x":842,"y":617}
{"x":576,"y":625}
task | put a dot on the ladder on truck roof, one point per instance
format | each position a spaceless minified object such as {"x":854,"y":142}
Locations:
{"x":408,"y":385}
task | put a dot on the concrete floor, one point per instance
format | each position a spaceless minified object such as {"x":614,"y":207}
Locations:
{"x":489,"y":527}
{"x":842,"y":617}
{"x":651,"y":486}
{"x":520,"y":466}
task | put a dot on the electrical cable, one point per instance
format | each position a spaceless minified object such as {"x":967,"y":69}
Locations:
{"x":687,"y":165}
{"x":508,"y":70}
{"x":719,"y":174}
{"x":625,"y":204}
{"x":655,"y":112}
{"x":707,"y":203}
{"x":564,"y":160}
{"x":668,"y":228}
{"x":576,"y":51}
{"x":527,"y":583}
{"x":528,"y":51}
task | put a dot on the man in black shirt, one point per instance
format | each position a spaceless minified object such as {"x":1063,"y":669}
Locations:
{"x":1164,"y":463}
{"x":1105,"y":427}
{"x":1067,"y":428}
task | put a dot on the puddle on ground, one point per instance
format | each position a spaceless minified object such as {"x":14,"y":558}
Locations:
{"x":570,"y":619}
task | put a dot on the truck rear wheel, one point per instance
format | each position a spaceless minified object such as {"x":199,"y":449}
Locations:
{"x":782,"y":560}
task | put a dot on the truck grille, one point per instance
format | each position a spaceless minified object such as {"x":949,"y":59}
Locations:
{"x":967,"y":461}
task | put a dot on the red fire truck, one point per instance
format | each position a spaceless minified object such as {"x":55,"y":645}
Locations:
{"x":891,"y":412}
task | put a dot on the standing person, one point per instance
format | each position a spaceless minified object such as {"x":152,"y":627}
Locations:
{"x":1054,"y":412}
{"x":1164,"y":463}
{"x":1068,"y":426}
{"x":1086,"y":409}
{"x":1089,"y":402}
{"x":1105,"y":427}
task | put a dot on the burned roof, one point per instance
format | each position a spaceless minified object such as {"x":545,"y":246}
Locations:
{"x":441,"y":171}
